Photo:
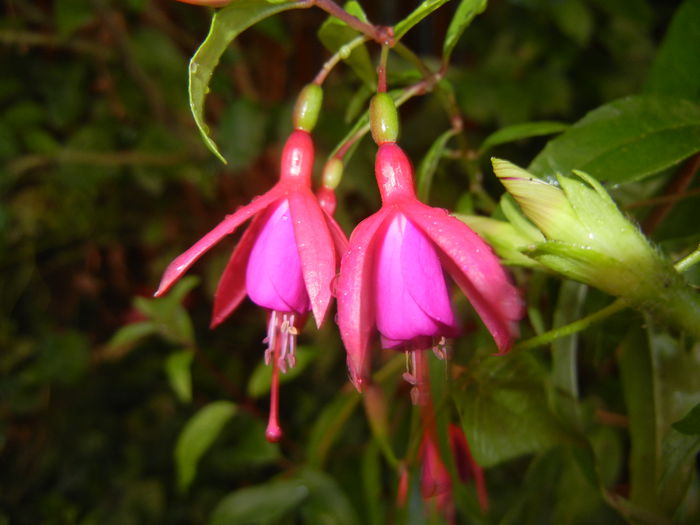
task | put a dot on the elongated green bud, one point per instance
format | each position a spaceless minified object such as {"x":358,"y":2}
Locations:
{"x":308,"y":107}
{"x":383,"y":119}
{"x":332,"y":173}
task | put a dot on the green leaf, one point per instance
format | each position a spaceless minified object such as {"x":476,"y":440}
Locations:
{"x":259,"y":504}
{"x":261,"y":378}
{"x":71,"y":15}
{"x":197,"y":436}
{"x":242,"y":131}
{"x":334,"y":34}
{"x":675,"y":69}
{"x":464,"y":15}
{"x":327,"y":504}
{"x":629,"y":139}
{"x":131,"y":334}
{"x":419,"y":13}
{"x":177,"y":368}
{"x":168,"y":315}
{"x":690,"y":424}
{"x":226,"y":25}
{"x":429,"y":164}
{"x":521,"y":131}
{"x":504,"y":410}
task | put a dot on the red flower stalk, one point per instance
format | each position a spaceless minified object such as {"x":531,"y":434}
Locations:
{"x":392,"y":278}
{"x":285,"y":261}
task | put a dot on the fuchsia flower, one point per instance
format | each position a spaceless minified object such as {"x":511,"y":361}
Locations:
{"x":392,"y":278}
{"x":285,"y":261}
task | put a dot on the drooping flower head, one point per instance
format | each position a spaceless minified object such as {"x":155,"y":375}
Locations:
{"x":392,"y":278}
{"x":285,"y":261}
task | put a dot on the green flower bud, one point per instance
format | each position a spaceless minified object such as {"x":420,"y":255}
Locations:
{"x":308,"y":107}
{"x":332,"y":173}
{"x":588,"y":239}
{"x":383,"y":118}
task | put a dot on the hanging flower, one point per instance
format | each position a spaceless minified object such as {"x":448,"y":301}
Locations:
{"x":285,"y":261}
{"x":392,"y":278}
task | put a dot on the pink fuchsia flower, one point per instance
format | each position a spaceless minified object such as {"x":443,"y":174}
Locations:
{"x":392,"y":278}
{"x":285,"y":261}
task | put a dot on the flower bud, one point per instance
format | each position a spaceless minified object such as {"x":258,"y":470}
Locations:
{"x":307,"y":107}
{"x":588,"y":239}
{"x":383,"y":119}
{"x":332,"y":173}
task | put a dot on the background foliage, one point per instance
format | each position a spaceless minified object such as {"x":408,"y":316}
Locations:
{"x":116,"y":408}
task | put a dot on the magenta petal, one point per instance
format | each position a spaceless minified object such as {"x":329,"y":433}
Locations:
{"x":411,"y":296}
{"x":316,"y":250}
{"x":475,"y":269}
{"x":231,"y":289}
{"x":273,"y":276}
{"x":182,"y":262}
{"x":339,"y":239}
{"x":355,"y":292}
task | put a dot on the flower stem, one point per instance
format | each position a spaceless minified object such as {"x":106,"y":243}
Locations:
{"x":383,"y":35}
{"x":688,"y":261}
{"x":571,"y":328}
{"x":342,"y":53}
{"x":381,"y":70}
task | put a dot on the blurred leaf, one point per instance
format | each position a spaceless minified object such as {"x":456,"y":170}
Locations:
{"x":326,"y":504}
{"x":679,"y":452}
{"x":242,"y":132}
{"x":64,"y":357}
{"x":167,"y":313}
{"x":521,"y":131}
{"x":574,"y":19}
{"x":261,"y":378}
{"x":464,"y":15}
{"x":70,"y":15}
{"x":504,"y":410}
{"x":328,"y":425}
{"x":264,"y":503}
{"x":226,"y":25}
{"x":675,"y":69}
{"x":428,"y":166}
{"x":129,"y":335}
{"x":177,"y":368}
{"x":419,"y":13}
{"x":197,"y":436}
{"x":335,"y":33}
{"x":625,"y":140}
{"x":690,"y":424}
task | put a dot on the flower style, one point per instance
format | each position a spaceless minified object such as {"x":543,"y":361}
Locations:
{"x":392,"y":278}
{"x":285,"y":261}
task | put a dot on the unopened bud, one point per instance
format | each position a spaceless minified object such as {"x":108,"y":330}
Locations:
{"x":332,"y":173}
{"x":383,"y":119}
{"x":308,"y":107}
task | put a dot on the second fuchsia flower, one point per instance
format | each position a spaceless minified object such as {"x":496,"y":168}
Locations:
{"x":392,"y":278}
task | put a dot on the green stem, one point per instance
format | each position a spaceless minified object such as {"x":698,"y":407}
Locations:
{"x":341,"y":54}
{"x":380,"y":34}
{"x":688,"y":261}
{"x":572,"y":328}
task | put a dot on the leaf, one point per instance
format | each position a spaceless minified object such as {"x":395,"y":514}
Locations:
{"x":197,"y":436}
{"x":131,"y":334}
{"x":242,"y":128}
{"x":334,"y":34}
{"x":464,"y":15}
{"x":629,"y":139}
{"x":675,"y":68}
{"x":419,"y":13}
{"x":177,"y":368}
{"x":261,"y":378}
{"x":690,"y":424}
{"x":326,"y":504}
{"x":259,"y":504}
{"x":226,"y":25}
{"x":429,"y":164}
{"x":521,"y":131}
{"x":504,"y":410}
